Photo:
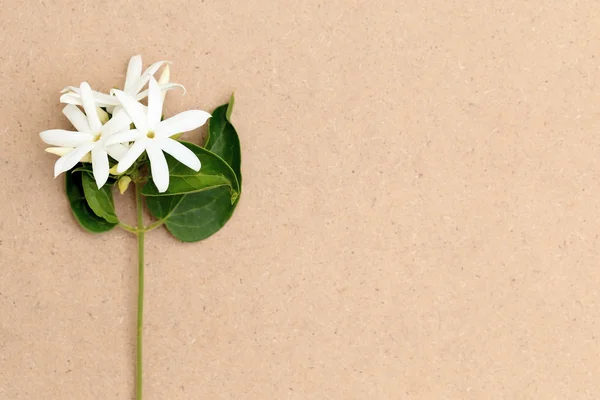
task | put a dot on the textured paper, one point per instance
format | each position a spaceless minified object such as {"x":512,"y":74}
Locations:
{"x":420,"y":214}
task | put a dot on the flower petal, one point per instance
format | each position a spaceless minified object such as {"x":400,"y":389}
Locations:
{"x":182,"y":122}
{"x":122,"y":137}
{"x":163,"y":87}
{"x":89,"y":106}
{"x":134,"y":71}
{"x":118,"y":123}
{"x":105,"y":100}
{"x":141,"y":82}
{"x":158,"y":166}
{"x":100,"y":165}
{"x":134,"y":109}
{"x":68,"y":89}
{"x":155,"y":103}
{"x":134,"y":152}
{"x":180,"y":153}
{"x":71,"y":159}
{"x":77,"y":118}
{"x":59,"y":151}
{"x":60,"y":137}
{"x":71,"y":98}
{"x":117,"y":151}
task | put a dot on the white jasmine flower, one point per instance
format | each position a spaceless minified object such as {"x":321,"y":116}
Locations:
{"x":135,"y":81}
{"x":154,"y":136}
{"x":91,"y":137}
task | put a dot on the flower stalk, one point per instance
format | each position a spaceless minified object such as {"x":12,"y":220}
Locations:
{"x":140,"y":303}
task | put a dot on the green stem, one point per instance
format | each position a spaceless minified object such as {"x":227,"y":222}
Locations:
{"x":140,"y":311}
{"x":154,"y":225}
{"x":128,"y":228}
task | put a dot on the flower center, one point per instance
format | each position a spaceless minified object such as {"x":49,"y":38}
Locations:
{"x":150,"y":135}
{"x":97,"y":137}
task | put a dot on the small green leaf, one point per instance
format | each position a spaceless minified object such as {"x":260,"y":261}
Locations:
{"x":100,"y":200}
{"x":195,"y":216}
{"x":214,"y":173}
{"x":79,"y":205}
{"x":223,"y":140}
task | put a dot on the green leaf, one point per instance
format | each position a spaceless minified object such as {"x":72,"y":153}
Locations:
{"x":214,"y":173}
{"x":195,"y":216}
{"x":223,"y":140}
{"x":100,"y":200}
{"x":79,"y":205}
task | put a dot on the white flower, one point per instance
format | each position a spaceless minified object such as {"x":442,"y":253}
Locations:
{"x":91,"y":137}
{"x":154,"y":136}
{"x":135,"y":81}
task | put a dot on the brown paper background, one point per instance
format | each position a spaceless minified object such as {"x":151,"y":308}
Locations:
{"x":419,"y":219}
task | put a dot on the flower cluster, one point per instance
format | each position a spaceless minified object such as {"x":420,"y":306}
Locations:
{"x":104,"y":127}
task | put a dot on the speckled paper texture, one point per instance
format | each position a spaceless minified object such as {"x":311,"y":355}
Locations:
{"x":419,"y":219}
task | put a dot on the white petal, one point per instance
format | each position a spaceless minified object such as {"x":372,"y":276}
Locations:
{"x":182,"y":122}
{"x":180,"y":153}
{"x":77,"y":118}
{"x":105,"y":100}
{"x":59,"y":151}
{"x":134,"y":109}
{"x":122,"y":137}
{"x":158,"y":166}
{"x":117,"y":151}
{"x":163,"y":87}
{"x":60,"y":137}
{"x":70,"y":159}
{"x":101,"y":99}
{"x":71,"y":98}
{"x":141,"y":82}
{"x":89,"y":106}
{"x":118,"y":123}
{"x":134,"y":71}
{"x":68,"y":89}
{"x":100,"y":165}
{"x":132,"y":155}
{"x":155,"y":103}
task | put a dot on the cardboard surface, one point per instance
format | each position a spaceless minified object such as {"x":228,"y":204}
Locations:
{"x":419,"y":220}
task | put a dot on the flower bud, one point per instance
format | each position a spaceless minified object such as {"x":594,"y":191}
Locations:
{"x":102,"y":115}
{"x":123,"y":183}
{"x":164,"y":78}
{"x":113,"y":170}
